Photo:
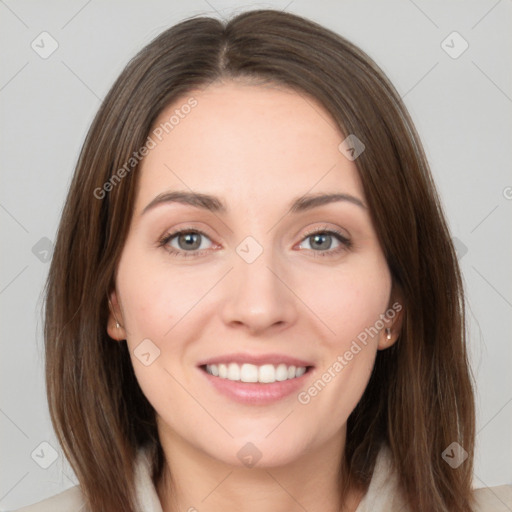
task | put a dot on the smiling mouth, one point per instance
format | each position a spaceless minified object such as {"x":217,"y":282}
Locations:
{"x":251,"y":373}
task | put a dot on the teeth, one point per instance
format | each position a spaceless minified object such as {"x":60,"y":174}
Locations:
{"x":266,"y":373}
{"x":248,"y":373}
{"x":281,"y":372}
{"x":233,"y":372}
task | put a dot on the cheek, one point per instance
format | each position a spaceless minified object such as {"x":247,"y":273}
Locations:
{"x":350,"y":303}
{"x":154,"y":299}
{"x":348,"y":357}
{"x":350,"y":300}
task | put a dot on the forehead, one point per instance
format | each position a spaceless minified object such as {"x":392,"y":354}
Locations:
{"x":239,"y":141}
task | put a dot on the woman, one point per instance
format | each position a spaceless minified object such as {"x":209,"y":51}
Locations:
{"x":254,"y":302}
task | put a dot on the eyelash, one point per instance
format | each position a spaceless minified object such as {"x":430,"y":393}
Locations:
{"x":345,"y":242}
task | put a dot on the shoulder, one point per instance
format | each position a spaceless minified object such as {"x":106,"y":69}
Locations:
{"x":72,"y":499}
{"x":493,"y":499}
{"x":384,"y":492}
{"x":68,"y":501}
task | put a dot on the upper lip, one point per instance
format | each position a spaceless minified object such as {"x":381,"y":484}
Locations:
{"x":257,"y":360}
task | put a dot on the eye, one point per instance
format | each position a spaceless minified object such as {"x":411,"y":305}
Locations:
{"x":321,"y":242}
{"x":186,"y":242}
{"x":192,"y":242}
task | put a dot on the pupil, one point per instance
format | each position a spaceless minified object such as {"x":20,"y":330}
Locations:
{"x":191,"y":240}
{"x":318,"y":239}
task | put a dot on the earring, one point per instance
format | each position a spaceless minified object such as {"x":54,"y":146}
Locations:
{"x":112,"y":310}
{"x":388,"y":333}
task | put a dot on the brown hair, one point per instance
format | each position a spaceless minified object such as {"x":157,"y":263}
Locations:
{"x":419,"y":398}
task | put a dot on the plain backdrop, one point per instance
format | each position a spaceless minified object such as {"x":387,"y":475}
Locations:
{"x":461,"y":104}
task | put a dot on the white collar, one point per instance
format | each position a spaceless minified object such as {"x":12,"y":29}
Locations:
{"x":383,"y":493}
{"x":147,"y":498}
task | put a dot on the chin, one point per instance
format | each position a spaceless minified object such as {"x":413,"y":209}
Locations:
{"x":260,"y":452}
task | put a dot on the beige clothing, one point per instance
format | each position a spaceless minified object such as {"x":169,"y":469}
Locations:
{"x":383,"y":493}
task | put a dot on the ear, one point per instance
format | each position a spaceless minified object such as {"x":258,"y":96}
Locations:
{"x":115,"y":323}
{"x":392,"y":320}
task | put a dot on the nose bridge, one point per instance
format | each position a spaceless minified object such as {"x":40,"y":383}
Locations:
{"x":257,"y":297}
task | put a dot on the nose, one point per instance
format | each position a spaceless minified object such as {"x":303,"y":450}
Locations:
{"x":258,"y":295}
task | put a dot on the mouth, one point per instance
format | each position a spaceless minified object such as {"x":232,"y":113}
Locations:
{"x":256,"y":380}
{"x":251,"y":373}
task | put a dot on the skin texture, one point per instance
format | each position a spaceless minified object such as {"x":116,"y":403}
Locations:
{"x":257,"y":148}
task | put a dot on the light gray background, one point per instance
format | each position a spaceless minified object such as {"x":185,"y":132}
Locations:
{"x":461,"y":107}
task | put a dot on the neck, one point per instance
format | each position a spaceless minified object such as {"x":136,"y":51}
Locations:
{"x":193,"y":481}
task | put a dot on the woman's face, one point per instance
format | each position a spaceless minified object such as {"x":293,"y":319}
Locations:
{"x":248,"y":288}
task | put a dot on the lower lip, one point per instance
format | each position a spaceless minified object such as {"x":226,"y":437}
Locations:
{"x":255,"y":392}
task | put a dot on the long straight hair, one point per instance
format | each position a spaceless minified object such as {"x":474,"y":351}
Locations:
{"x":419,"y":398}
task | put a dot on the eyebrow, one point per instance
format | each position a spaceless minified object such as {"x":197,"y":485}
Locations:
{"x":215,"y":204}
